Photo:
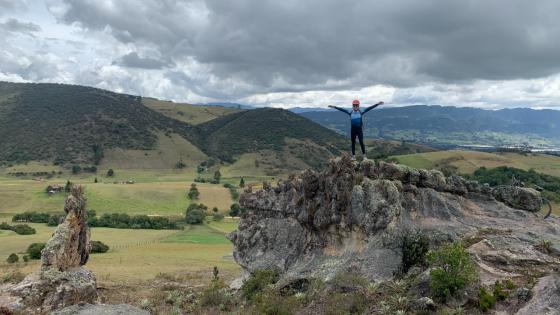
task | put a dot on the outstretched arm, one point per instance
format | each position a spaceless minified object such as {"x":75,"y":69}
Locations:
{"x":372,"y":107}
{"x":344,"y":110}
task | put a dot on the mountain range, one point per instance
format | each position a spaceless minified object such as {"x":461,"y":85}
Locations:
{"x":447,"y":125}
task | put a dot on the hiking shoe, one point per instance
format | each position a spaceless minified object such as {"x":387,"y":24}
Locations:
{"x":353,"y":158}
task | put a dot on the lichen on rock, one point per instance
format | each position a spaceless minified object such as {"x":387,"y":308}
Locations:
{"x":62,"y":279}
{"x":349,"y":216}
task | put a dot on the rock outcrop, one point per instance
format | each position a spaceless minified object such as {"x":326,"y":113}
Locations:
{"x":349,"y":217}
{"x":101,"y":309}
{"x":62,"y":279}
{"x":546,"y":297}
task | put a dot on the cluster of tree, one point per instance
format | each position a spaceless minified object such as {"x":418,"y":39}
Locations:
{"x":39,"y":217}
{"x":193,"y":192}
{"x":214,"y":180}
{"x":36,"y":174}
{"x":89,"y":169}
{"x":32,"y":217}
{"x":195,"y":213}
{"x":125,"y":221}
{"x":20,"y":229}
{"x":34,"y":249}
{"x":204,"y":165}
{"x":236,"y":210}
{"x":504,"y":175}
{"x":232,"y":190}
{"x":180,"y":164}
{"x":110,"y":220}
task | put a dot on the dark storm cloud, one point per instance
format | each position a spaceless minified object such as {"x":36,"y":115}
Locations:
{"x":14,"y":26}
{"x":329,"y":44}
{"x":132,"y":60}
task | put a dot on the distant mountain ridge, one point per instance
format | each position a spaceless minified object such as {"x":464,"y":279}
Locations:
{"x":70,"y":124}
{"x":453,"y":125}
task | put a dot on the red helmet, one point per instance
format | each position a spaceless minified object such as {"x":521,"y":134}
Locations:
{"x":355,"y":102}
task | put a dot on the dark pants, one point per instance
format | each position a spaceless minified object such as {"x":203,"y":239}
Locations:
{"x":357,"y":131}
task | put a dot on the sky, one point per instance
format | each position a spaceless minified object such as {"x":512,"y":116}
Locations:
{"x":306,"y":53}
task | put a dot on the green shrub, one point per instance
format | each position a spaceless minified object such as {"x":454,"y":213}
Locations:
{"x":258,"y":281}
{"x":485,"y":300}
{"x":271,"y":302}
{"x":348,"y":281}
{"x":346,"y":303}
{"x":13,"y":258}
{"x":180,"y":164}
{"x":453,"y":269}
{"x":217,"y":217}
{"x":216,"y":294}
{"x":25,"y":258}
{"x":23,"y":229}
{"x":499,"y":293}
{"x":414,"y":246}
{"x":12,"y":277}
{"x":98,"y":247}
{"x":34,"y":250}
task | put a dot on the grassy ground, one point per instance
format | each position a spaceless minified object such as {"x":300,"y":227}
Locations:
{"x":138,"y":254}
{"x":159,"y":198}
{"x":192,"y":114}
{"x":469,"y":161}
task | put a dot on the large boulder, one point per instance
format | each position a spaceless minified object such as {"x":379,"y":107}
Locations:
{"x":62,"y":279}
{"x":350,"y":217}
{"x":519,"y":197}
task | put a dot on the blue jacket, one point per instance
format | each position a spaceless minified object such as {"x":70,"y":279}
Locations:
{"x":356,"y":115}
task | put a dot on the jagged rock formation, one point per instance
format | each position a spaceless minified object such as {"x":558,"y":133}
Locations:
{"x":349,"y":217}
{"x":62,"y":280}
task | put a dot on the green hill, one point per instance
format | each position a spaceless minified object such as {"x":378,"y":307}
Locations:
{"x":263,"y":129}
{"x":75,"y":124}
{"x":66,"y":124}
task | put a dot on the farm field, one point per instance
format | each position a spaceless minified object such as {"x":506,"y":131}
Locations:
{"x":134,"y":255}
{"x":468,"y":161}
{"x":137,"y":255}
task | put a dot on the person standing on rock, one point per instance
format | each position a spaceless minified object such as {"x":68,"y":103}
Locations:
{"x":356,"y":123}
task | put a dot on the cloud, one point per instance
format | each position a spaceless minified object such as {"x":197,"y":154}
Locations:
{"x":7,"y":6}
{"x":132,"y":60}
{"x":280,"y":46}
{"x":293,"y":53}
{"x":14,"y":26}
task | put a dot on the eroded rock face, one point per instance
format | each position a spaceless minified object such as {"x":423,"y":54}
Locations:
{"x":349,"y":216}
{"x":62,"y":280}
{"x":546,"y":297}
